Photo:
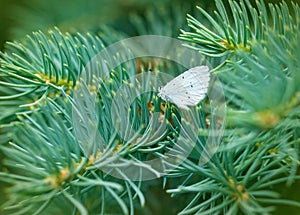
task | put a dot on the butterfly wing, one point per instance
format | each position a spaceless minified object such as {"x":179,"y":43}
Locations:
{"x":189,"y":88}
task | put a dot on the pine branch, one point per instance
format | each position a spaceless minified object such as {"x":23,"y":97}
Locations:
{"x":249,"y":23}
{"x":260,"y":148}
{"x":44,"y":153}
{"x":45,"y":162}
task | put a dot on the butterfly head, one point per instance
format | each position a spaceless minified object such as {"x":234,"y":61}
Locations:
{"x":161,"y":93}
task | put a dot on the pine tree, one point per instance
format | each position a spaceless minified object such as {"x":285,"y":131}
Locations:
{"x":253,"y":49}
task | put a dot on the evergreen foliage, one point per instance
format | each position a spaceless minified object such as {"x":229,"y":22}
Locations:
{"x":254,"y":48}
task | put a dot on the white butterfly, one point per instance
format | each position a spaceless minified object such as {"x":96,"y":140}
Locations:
{"x":187,"y":89}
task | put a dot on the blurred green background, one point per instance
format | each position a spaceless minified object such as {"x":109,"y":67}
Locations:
{"x":21,"y":17}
